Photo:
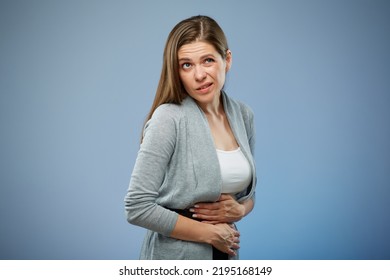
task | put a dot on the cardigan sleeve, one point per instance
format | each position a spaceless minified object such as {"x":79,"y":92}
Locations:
{"x":251,"y":133}
{"x":252,"y":140}
{"x":149,"y":171}
{"x":248,"y":117}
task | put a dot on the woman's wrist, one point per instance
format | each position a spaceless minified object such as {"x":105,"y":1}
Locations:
{"x":243,"y":210}
{"x":247,"y":207}
{"x":191,"y":230}
{"x":210,"y":233}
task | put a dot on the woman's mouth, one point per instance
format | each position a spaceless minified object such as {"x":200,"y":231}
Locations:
{"x":204,"y":88}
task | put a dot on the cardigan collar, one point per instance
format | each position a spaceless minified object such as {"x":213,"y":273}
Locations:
{"x":205,"y":159}
{"x":197,"y":116}
{"x":204,"y":156}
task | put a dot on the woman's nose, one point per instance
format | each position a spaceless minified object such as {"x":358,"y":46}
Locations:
{"x":200,"y":73}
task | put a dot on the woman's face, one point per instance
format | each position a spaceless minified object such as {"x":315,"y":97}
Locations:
{"x":202,"y":71}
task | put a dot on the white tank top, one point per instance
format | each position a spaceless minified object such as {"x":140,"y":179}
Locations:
{"x":235,"y":170}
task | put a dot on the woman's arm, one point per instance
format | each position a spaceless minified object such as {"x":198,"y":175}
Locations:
{"x":148,"y":175}
{"x":225,"y":210}
{"x":149,"y":172}
{"x":222,"y":236}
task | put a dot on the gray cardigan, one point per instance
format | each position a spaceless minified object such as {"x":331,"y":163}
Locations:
{"x":176,"y":167}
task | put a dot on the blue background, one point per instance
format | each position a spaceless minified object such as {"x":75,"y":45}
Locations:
{"x":77,"y":79}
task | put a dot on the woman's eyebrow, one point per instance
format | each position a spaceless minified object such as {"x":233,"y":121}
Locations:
{"x":201,"y":58}
{"x":184,"y":59}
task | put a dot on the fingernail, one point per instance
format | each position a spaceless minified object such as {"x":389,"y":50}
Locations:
{"x":192,"y":210}
{"x":196,"y":206}
{"x":194,"y":216}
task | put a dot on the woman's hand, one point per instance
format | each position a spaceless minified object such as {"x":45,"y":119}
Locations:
{"x":222,"y":236}
{"x":226,"y":239}
{"x":225,"y":210}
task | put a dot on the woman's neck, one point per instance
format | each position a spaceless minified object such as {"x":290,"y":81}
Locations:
{"x":213,"y":109}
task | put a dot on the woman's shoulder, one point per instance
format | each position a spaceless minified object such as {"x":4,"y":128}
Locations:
{"x":245,"y":107}
{"x":238,"y":105}
{"x":164,"y":121}
{"x":168,"y":111}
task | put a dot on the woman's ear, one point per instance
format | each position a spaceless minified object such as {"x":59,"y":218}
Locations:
{"x":228,"y":60}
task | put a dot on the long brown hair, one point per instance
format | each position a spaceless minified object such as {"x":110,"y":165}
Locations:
{"x":198,"y":28}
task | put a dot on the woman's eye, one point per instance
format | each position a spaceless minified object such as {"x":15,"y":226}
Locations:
{"x":186,"y":65}
{"x":209,"y":60}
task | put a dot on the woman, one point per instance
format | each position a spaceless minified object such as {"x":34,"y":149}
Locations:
{"x":194,"y":175}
